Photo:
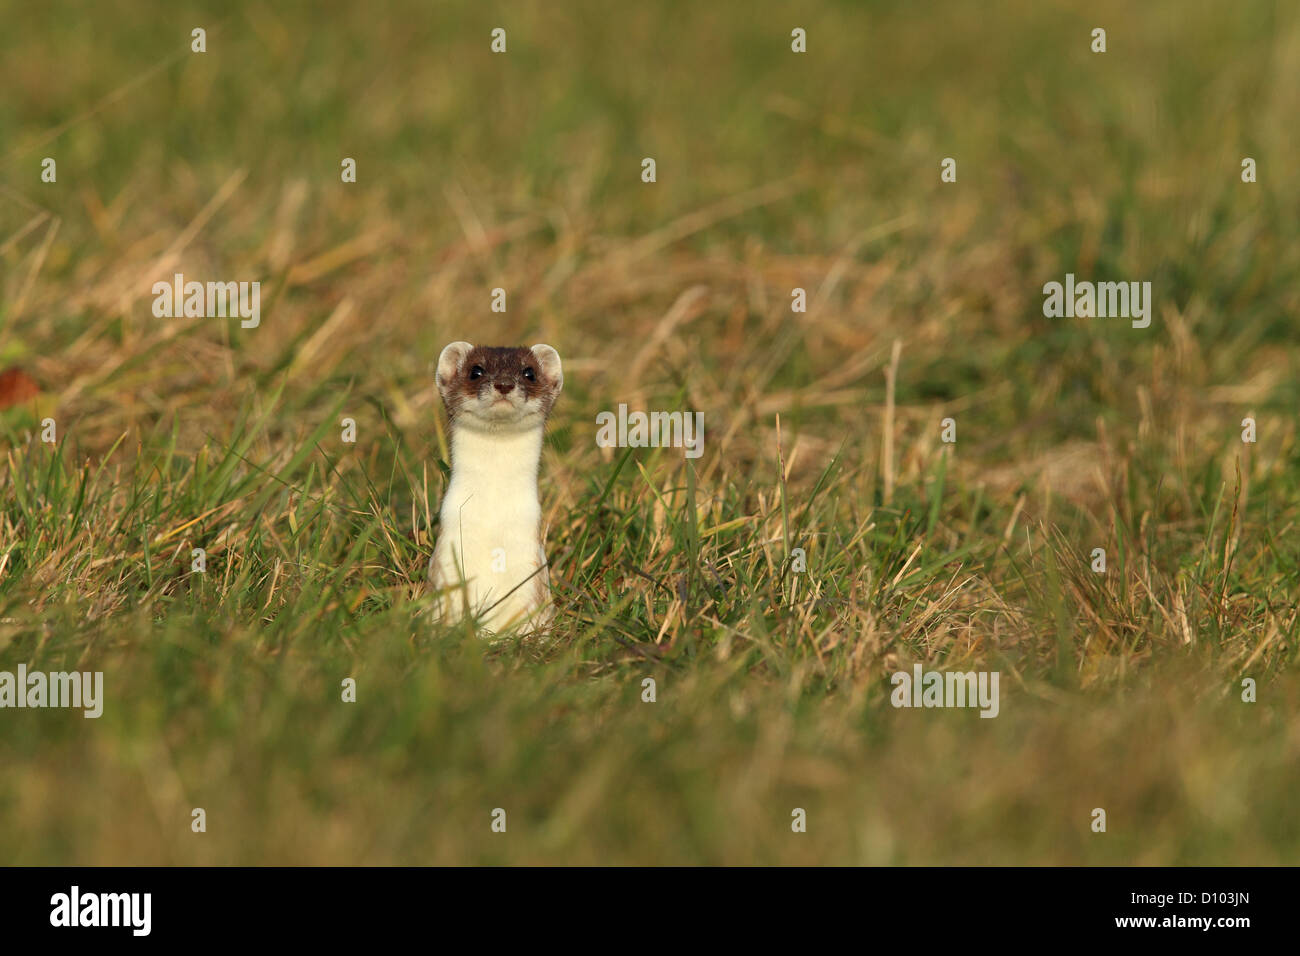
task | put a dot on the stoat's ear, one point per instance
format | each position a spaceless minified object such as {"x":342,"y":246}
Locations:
{"x":549,"y":360}
{"x":449,"y":363}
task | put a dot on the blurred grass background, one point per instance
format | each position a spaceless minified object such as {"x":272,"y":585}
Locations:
{"x":775,"y":170}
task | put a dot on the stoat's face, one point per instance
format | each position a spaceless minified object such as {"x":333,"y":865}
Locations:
{"x":499,"y":389}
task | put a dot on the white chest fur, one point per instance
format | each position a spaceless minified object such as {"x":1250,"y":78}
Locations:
{"x":490,"y":560}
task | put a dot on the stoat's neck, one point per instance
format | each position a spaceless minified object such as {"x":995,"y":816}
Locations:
{"x":506,"y":462}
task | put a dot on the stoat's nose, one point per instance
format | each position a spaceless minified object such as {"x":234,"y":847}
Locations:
{"x":506,"y":387}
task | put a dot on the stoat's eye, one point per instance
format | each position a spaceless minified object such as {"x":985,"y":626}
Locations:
{"x":530,"y":375}
{"x":476,"y":372}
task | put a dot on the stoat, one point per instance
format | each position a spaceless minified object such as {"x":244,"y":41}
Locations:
{"x":490,"y":557}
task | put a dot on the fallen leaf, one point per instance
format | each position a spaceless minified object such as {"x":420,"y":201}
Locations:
{"x":16,"y":386}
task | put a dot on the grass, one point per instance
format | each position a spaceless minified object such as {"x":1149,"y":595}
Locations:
{"x":775,"y":171}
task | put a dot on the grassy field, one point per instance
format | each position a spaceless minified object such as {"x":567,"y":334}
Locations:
{"x":775,"y":170}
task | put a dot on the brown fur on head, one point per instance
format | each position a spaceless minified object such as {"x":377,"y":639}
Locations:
{"x":499,"y":389}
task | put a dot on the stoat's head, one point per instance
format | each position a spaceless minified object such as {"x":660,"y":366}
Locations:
{"x":499,"y":389}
